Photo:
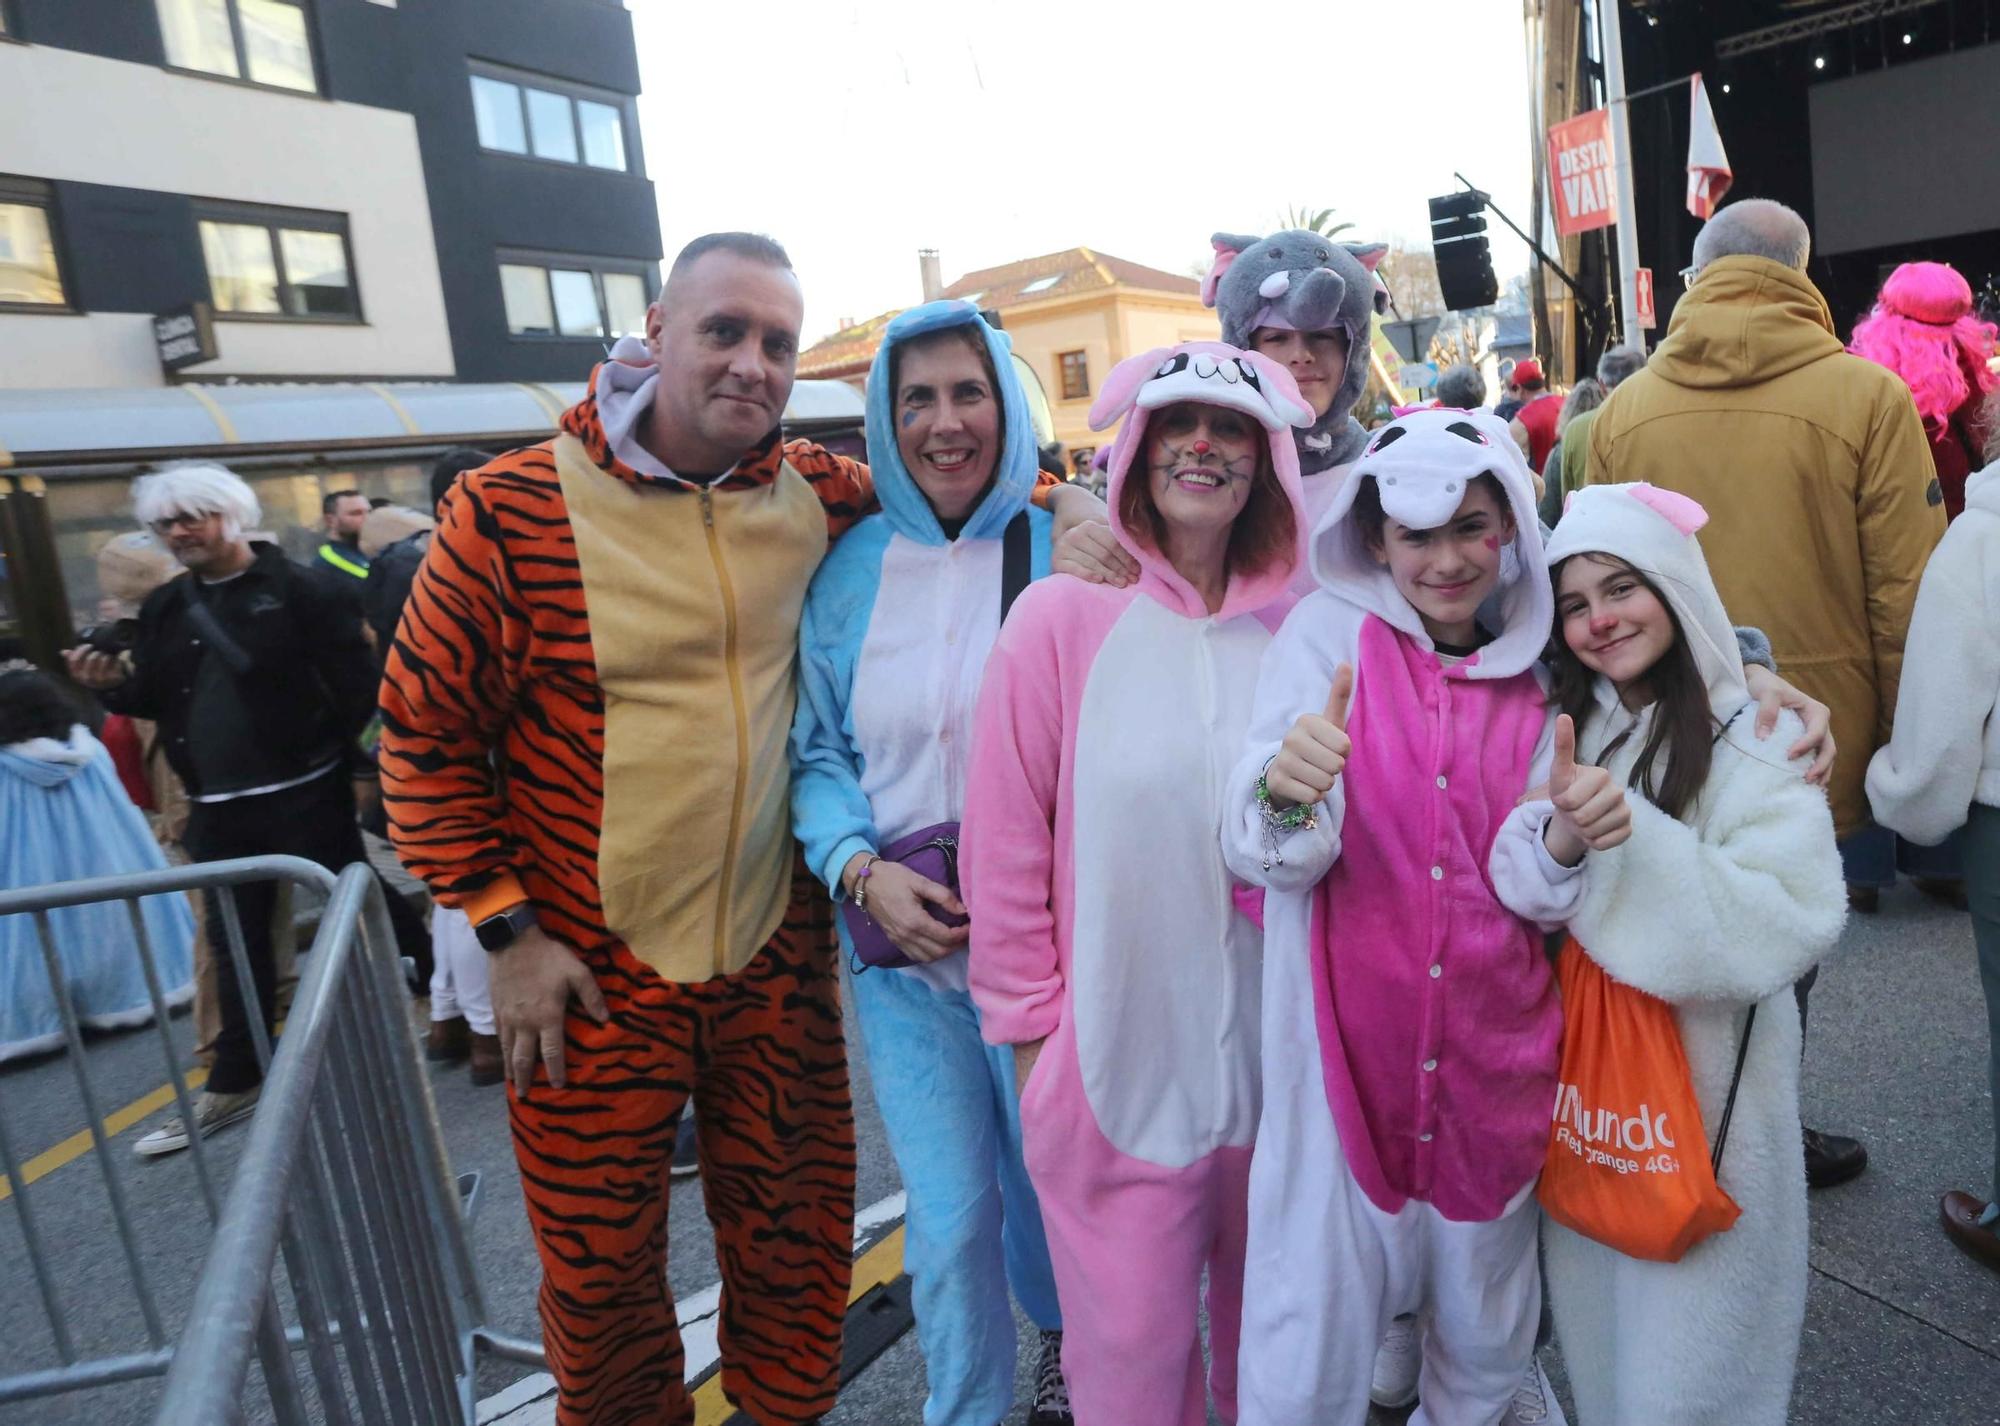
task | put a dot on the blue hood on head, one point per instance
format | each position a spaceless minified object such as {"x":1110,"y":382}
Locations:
{"x":1014,"y":478}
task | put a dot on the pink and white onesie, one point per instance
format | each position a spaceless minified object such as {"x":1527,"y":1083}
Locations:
{"x":1103,"y":922}
{"x":1411,"y":1022}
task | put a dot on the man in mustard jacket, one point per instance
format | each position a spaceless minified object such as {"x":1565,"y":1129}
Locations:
{"x":1813,"y":466}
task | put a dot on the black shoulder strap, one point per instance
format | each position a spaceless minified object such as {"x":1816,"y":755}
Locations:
{"x":1743,"y":1048}
{"x":1016,"y":551}
{"x":203,"y":618}
{"x":1729,"y":1104}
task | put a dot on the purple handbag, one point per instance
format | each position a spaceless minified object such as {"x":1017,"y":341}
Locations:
{"x":931,"y":852}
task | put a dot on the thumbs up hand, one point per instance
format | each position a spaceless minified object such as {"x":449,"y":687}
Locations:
{"x":1591,"y":813}
{"x":1315,"y":750}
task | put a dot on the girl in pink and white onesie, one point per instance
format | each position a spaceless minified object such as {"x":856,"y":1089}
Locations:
{"x":1105,"y":946}
{"x":1411,"y":1021}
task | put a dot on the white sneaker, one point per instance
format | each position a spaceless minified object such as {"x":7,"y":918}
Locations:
{"x":1535,"y":1401}
{"x":1398,"y":1360}
{"x":211,"y":1112}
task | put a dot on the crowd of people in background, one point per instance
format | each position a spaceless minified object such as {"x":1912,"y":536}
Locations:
{"x":1229,"y":857}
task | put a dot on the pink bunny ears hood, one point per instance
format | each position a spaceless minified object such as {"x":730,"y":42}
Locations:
{"x":1213,"y":374}
{"x":1653,"y":530}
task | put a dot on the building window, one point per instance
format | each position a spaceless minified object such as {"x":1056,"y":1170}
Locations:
{"x":548,"y":296}
{"x":278,"y":263}
{"x":1074,"y":370}
{"x":541,"y":118}
{"x":30,"y":275}
{"x":263,"y":41}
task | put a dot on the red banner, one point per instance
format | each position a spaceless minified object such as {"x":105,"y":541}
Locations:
{"x":1648,"y":315}
{"x":1580,"y":173}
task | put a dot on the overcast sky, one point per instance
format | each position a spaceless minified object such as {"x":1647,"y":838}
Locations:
{"x":1002,"y":129}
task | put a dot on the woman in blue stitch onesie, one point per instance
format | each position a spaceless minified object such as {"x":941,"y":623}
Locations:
{"x":894,"y":639}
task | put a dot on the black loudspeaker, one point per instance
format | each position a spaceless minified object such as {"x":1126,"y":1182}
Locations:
{"x":1458,"y":242}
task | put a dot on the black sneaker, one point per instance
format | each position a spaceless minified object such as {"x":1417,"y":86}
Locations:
{"x":686,"y":1162}
{"x":1832,"y":1159}
{"x":1051,"y":1391}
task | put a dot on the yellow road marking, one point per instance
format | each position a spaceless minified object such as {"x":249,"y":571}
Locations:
{"x":79,"y":1143}
{"x":881,"y":1264}
{"x":116,"y":1123}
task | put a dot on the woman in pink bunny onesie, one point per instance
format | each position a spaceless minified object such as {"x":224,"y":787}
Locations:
{"x":1411,"y":1022}
{"x":1105,"y":948}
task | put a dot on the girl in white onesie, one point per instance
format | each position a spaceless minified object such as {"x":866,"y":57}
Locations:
{"x":1726,"y":891}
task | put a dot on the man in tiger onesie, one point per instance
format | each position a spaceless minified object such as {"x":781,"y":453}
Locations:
{"x":585,"y":714}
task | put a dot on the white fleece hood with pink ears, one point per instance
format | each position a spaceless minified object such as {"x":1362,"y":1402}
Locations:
{"x":1421,"y":464}
{"x":1653,"y":530}
{"x":1213,"y":374}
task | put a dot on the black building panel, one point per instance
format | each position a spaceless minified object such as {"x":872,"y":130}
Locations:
{"x":130,"y":249}
{"x":115,"y":29}
{"x":483,"y":202}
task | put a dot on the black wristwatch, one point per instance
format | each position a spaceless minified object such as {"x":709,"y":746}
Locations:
{"x":498,"y":932}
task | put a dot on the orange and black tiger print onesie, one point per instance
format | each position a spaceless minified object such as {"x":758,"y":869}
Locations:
{"x":530,"y":632}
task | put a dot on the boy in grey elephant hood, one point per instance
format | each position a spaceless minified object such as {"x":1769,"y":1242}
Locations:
{"x":1306,"y":301}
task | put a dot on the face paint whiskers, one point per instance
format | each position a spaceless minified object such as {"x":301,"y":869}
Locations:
{"x":1197,"y":458}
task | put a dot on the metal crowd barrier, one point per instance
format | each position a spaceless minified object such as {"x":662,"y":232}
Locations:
{"x":344,"y":1172}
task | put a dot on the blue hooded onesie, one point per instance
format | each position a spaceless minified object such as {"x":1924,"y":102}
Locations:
{"x":893,"y":641}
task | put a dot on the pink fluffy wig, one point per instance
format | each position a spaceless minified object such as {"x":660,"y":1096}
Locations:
{"x":1924,"y":330}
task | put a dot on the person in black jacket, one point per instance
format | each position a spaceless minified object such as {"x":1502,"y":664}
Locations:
{"x":258,"y":675}
{"x":393,"y":570}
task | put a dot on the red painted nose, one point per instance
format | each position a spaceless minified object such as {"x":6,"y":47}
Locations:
{"x":1603,"y":623}
{"x":1201,"y":448}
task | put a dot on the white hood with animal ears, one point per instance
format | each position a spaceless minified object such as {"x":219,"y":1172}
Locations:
{"x":1653,"y":530}
{"x":1421,"y":464}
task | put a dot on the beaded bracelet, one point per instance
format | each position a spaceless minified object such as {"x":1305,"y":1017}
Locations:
{"x":1303,"y":817}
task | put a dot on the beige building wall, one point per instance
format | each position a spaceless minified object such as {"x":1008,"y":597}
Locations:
{"x":67,"y":115}
{"x":1042,"y":334}
{"x":1106,"y":328}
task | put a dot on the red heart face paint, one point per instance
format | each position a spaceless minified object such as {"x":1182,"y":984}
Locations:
{"x":1492,"y":542}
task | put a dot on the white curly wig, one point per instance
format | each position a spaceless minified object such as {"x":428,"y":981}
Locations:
{"x":197,"y":488}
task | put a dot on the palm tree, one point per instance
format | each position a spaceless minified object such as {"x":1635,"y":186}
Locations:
{"x":1314,"y":221}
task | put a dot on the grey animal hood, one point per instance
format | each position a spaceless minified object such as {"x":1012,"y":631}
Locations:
{"x":1309,"y":283}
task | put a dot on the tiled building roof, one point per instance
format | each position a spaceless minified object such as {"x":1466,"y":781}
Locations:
{"x":1069,"y":273}
{"x":848,"y":351}
{"x":1063,"y":274}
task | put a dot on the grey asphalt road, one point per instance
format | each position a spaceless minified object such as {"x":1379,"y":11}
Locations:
{"x":1900,"y":1327}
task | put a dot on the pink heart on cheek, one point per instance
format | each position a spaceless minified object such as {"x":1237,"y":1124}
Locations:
{"x":1492,"y":542}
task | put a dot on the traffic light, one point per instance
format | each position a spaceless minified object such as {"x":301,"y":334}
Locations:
{"x":1458,"y":241}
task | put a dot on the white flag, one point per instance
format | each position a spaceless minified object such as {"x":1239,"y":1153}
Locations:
{"x":1708,"y":166}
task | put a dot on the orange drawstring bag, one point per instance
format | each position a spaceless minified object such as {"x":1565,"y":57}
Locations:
{"x":1628,"y":1163}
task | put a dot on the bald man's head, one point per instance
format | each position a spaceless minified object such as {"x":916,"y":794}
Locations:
{"x":725,"y":336}
{"x":752,"y":247}
{"x":1755,"y":227}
